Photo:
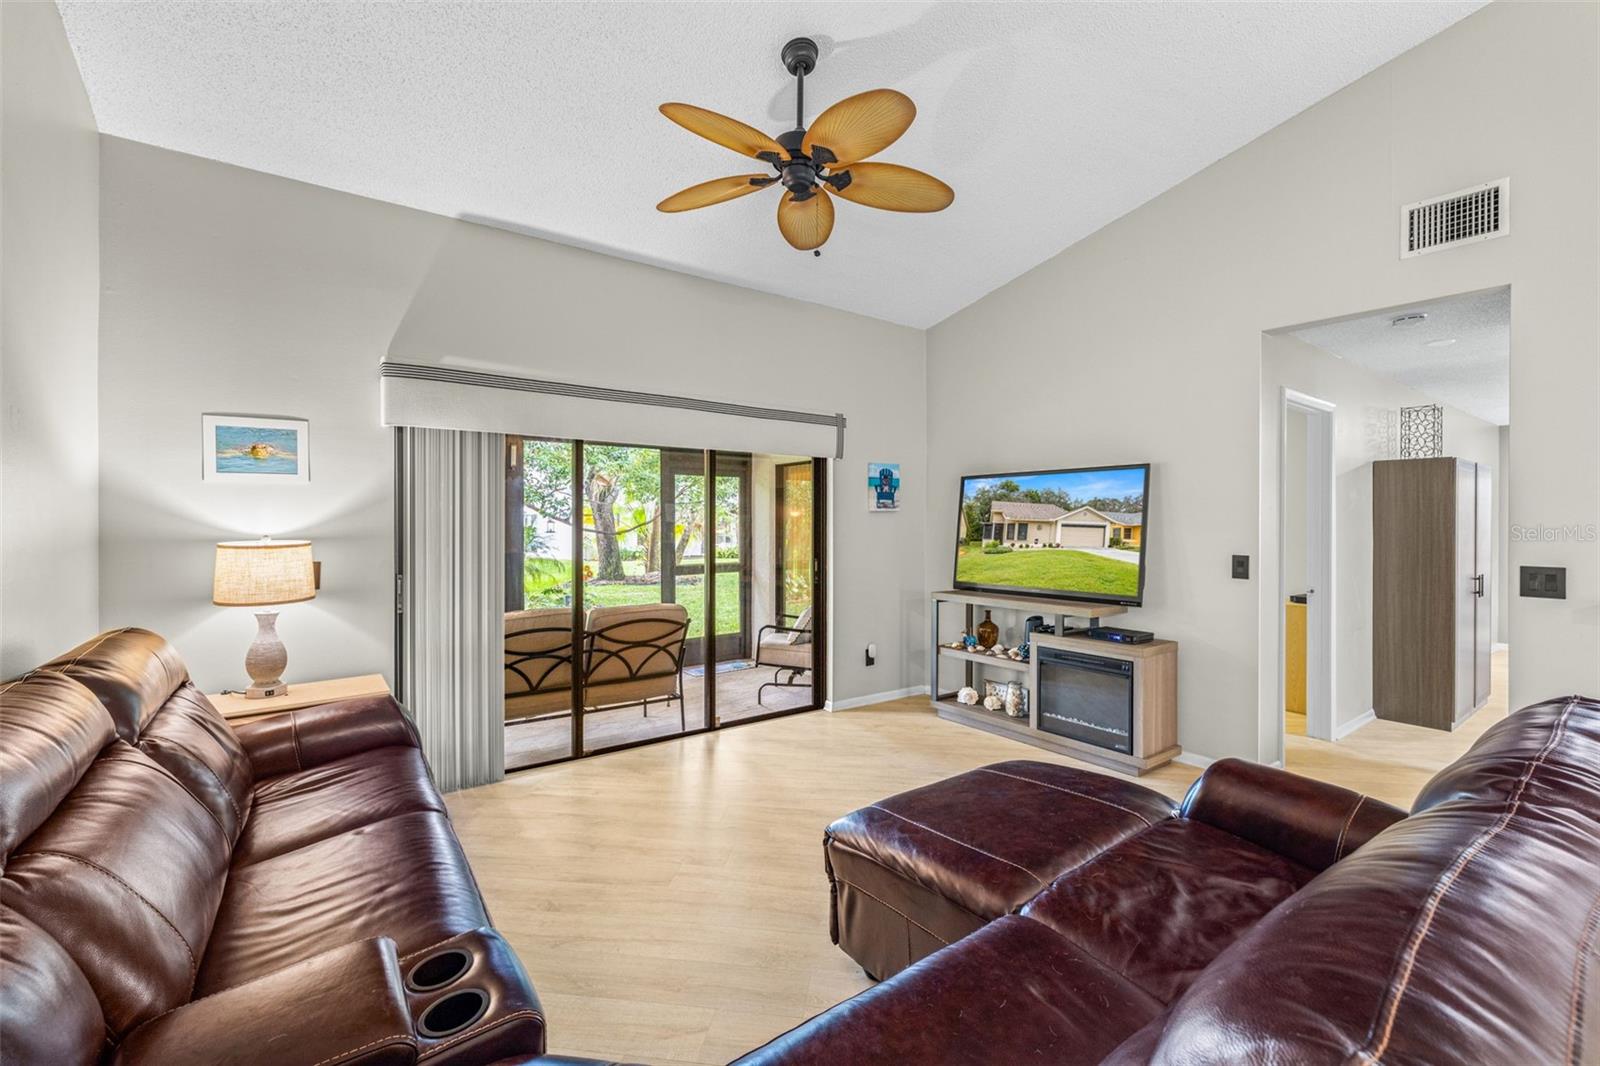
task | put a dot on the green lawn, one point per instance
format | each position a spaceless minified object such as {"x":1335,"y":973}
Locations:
{"x":1049,"y":568}
{"x":552,"y":588}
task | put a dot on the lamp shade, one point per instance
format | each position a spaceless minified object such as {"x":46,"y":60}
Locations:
{"x":259,"y":573}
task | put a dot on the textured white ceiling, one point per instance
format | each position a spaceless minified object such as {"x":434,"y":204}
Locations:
{"x":1473,"y":373}
{"x":1049,"y":120}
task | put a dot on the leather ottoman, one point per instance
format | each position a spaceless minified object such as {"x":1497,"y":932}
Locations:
{"x":914,"y":872}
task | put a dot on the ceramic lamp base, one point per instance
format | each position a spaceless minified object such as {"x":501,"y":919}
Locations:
{"x":265,"y":660}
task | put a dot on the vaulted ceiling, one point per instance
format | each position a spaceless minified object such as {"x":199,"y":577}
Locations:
{"x":1049,"y":120}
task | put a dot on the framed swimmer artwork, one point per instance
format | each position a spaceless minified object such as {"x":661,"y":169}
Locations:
{"x":259,"y":450}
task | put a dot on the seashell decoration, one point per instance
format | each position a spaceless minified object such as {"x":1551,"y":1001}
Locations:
{"x":967,"y":695}
{"x":994,"y":703}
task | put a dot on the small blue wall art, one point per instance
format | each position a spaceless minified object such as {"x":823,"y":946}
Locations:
{"x":883,"y":486}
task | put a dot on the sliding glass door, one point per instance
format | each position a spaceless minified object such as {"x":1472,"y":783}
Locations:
{"x":540,"y":643}
{"x":641,"y":617}
{"x":639,"y":599}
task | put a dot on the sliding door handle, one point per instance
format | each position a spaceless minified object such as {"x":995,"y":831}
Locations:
{"x":1477,"y":585}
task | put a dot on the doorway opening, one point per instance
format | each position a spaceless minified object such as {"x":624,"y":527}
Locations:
{"x":1306,"y":564}
{"x":1385,"y":441}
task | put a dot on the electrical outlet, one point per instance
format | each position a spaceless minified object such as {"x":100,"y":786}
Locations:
{"x":872,"y":655}
{"x":1544,"y":582}
{"x":1241,"y":567}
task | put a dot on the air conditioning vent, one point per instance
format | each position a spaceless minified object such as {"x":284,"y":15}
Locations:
{"x":1476,"y":214}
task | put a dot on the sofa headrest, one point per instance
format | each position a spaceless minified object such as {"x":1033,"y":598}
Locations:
{"x":51,"y":729}
{"x":1562,"y":734}
{"x":133,"y":671}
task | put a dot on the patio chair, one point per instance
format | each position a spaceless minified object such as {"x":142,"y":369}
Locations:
{"x":634,"y":655}
{"x":538,"y":653}
{"x":787,"y":650}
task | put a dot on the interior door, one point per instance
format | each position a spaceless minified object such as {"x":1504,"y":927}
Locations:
{"x":1483,"y":578}
{"x":1465,"y":607}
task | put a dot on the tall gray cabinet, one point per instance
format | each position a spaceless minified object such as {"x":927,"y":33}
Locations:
{"x":1431,"y":589}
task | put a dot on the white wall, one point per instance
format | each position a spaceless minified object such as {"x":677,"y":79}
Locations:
{"x":49,"y":314}
{"x":763,"y":564}
{"x":1143,"y":342}
{"x":231,"y":290}
{"x":1365,"y":428}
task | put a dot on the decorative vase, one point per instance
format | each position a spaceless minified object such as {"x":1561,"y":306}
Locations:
{"x":988,"y":632}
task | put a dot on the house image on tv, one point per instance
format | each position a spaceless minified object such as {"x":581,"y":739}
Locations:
{"x":1020,"y":524}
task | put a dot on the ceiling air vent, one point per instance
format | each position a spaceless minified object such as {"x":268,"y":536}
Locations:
{"x":1475,"y":214}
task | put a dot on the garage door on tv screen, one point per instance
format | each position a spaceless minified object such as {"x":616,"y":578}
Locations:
{"x":1070,"y":534}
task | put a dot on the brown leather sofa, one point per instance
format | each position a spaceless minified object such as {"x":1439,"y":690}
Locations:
{"x":174,"y":891}
{"x":1270,"y":918}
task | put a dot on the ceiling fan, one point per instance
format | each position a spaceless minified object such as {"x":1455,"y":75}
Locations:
{"x":810,"y":162}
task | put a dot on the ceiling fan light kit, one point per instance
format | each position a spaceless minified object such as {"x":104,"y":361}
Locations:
{"x":809,"y":162}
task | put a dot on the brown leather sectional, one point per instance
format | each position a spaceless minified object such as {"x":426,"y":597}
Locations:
{"x":1025,"y":912}
{"x":174,"y":891}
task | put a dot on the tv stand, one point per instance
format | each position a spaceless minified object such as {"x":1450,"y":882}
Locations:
{"x":1155,"y":705}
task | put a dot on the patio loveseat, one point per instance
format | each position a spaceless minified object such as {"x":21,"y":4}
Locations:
{"x":631,"y":656}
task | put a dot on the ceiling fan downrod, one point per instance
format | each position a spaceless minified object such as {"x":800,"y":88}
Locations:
{"x":800,"y":59}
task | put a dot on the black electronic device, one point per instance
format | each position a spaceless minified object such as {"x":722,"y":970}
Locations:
{"x":1116,"y":635}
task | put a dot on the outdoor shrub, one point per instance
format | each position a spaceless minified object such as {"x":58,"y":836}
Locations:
{"x":996,"y":549}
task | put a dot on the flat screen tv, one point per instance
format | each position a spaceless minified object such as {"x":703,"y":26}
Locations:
{"x":1066,"y":534}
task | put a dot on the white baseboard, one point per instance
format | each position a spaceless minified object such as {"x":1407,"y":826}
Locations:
{"x":1191,"y":759}
{"x":876,"y":697}
{"x":1342,"y":731}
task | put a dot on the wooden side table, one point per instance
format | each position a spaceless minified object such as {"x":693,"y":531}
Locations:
{"x":237,"y":710}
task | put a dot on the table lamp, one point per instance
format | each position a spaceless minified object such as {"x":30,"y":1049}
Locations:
{"x":263,"y":573}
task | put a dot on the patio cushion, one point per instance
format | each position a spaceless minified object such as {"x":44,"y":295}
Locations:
{"x":777,"y":651}
{"x":538,"y":661}
{"x":632,"y":643}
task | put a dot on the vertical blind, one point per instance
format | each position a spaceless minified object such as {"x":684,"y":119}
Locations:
{"x":452,"y":513}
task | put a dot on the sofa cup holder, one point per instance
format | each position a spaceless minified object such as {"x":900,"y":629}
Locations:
{"x":436,"y":971}
{"x":453,"y":1013}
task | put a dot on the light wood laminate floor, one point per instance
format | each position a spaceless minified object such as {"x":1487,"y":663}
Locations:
{"x":669,"y":901}
{"x":738,"y":697}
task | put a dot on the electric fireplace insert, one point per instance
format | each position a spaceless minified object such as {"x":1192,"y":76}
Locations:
{"x":1088,"y":698}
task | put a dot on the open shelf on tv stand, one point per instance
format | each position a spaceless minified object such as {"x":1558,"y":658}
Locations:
{"x":1155,"y":690}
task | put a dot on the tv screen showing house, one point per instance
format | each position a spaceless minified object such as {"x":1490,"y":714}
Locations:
{"x":1074,"y":534}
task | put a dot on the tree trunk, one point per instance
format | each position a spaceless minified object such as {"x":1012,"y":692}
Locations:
{"x":683,"y":543}
{"x":652,"y":542}
{"x":602,"y":503}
